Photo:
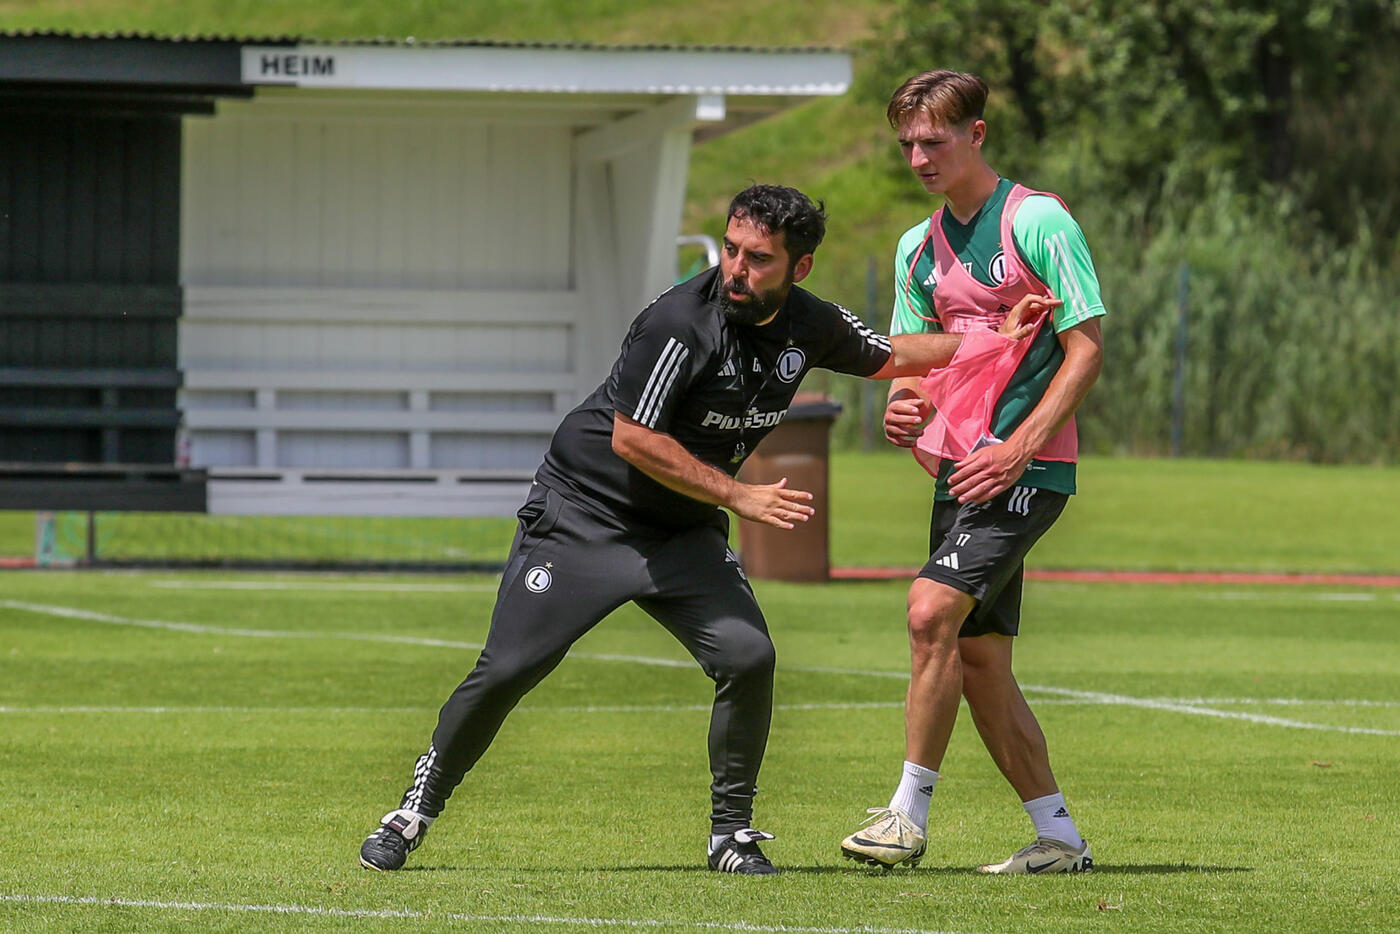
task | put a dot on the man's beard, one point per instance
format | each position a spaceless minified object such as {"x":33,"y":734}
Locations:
{"x":760,"y":307}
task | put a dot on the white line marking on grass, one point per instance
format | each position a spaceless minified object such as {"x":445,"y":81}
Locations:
{"x":1289,"y":596}
{"x":1231,"y":701}
{"x":1285,"y":701}
{"x":1124,"y":700}
{"x":394,"y":914}
{"x":92,"y":616}
{"x":1149,"y":703}
{"x":632,"y":708}
{"x":358,"y":586}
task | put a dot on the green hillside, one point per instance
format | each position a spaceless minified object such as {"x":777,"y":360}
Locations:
{"x":755,"y":23}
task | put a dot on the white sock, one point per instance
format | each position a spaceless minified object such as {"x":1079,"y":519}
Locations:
{"x":1052,"y":820}
{"x":715,"y":838}
{"x":914,"y":793}
{"x":424,"y":822}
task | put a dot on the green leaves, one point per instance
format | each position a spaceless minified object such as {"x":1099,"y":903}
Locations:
{"x":1160,"y":90}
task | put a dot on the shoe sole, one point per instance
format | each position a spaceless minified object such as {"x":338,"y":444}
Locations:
{"x":1074,"y":869}
{"x":366,"y":864}
{"x":868,"y":860}
{"x":725,"y":872}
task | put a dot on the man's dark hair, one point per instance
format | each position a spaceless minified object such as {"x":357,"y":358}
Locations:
{"x":778,"y":209}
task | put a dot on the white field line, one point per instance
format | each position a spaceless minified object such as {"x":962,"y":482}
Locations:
{"x":92,"y":616}
{"x":669,"y":708}
{"x":1279,"y":701}
{"x":356,"y":586}
{"x":399,"y":914}
{"x":630,"y":708}
{"x":1123,"y":700}
{"x":1150,"y":703}
{"x":1292,"y":596}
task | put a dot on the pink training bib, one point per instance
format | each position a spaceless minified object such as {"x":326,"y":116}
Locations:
{"x":965,"y":392}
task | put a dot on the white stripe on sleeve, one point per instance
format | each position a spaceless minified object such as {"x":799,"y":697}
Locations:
{"x":663,"y":377}
{"x":873,"y":338}
{"x":1069,"y":284}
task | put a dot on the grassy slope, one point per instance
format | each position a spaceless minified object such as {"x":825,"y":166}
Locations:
{"x":757,"y":23}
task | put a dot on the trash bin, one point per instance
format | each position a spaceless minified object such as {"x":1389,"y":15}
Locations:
{"x":796,"y":449}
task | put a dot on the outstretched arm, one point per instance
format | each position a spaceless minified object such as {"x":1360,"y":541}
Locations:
{"x":916,"y":354}
{"x":665,"y":460}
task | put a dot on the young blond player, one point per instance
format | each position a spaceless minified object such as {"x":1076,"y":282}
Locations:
{"x":959,"y":271}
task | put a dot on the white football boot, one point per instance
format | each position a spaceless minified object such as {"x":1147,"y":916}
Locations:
{"x":1043,"y":857}
{"x":888,"y":837}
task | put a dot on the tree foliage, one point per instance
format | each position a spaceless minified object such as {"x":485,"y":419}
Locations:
{"x":1151,"y":98}
{"x":1248,"y":145}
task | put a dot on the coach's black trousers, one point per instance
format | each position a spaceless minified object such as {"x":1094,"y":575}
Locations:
{"x":567,"y":570}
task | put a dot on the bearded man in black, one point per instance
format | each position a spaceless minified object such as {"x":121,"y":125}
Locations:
{"x":625,"y":508}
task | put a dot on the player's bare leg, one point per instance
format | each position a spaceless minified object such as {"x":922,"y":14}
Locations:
{"x":1003,"y":718}
{"x":896,"y":833}
{"x":936,"y":612}
{"x":1013,"y":736}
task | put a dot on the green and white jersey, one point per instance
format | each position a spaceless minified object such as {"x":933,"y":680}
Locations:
{"x":1050,"y":243}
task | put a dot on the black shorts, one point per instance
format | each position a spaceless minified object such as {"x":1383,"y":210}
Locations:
{"x":980,"y":549}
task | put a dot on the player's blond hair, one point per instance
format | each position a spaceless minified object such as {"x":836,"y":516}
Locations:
{"x":949,"y":98}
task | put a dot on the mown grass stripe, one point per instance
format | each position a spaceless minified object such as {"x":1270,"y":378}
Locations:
{"x":1095,"y":696}
{"x":591,"y":708}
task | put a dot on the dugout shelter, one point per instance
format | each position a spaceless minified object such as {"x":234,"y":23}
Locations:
{"x":288,"y":276}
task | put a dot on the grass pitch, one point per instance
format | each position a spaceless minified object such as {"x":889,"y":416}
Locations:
{"x":206,"y":752}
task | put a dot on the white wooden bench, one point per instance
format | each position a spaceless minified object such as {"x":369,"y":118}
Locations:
{"x":298,"y":398}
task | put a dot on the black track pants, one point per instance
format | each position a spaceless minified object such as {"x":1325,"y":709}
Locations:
{"x":567,"y":570}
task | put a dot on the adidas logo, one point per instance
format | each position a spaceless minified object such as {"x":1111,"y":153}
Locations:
{"x":926,"y":790}
{"x":1060,"y":813}
{"x":948,"y":561}
{"x":729,"y":369}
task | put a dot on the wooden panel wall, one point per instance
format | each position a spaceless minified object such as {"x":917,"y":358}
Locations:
{"x":376,"y":286}
{"x":89,"y":199}
{"x":89,"y":295}
{"x":373,"y":201}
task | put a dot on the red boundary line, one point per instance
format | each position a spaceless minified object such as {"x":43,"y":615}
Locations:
{"x":1150,"y":577}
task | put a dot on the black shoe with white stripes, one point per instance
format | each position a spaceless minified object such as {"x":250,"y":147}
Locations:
{"x":739,"y":853}
{"x":399,"y":834}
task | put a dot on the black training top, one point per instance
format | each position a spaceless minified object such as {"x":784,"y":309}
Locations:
{"x":716,"y":387}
